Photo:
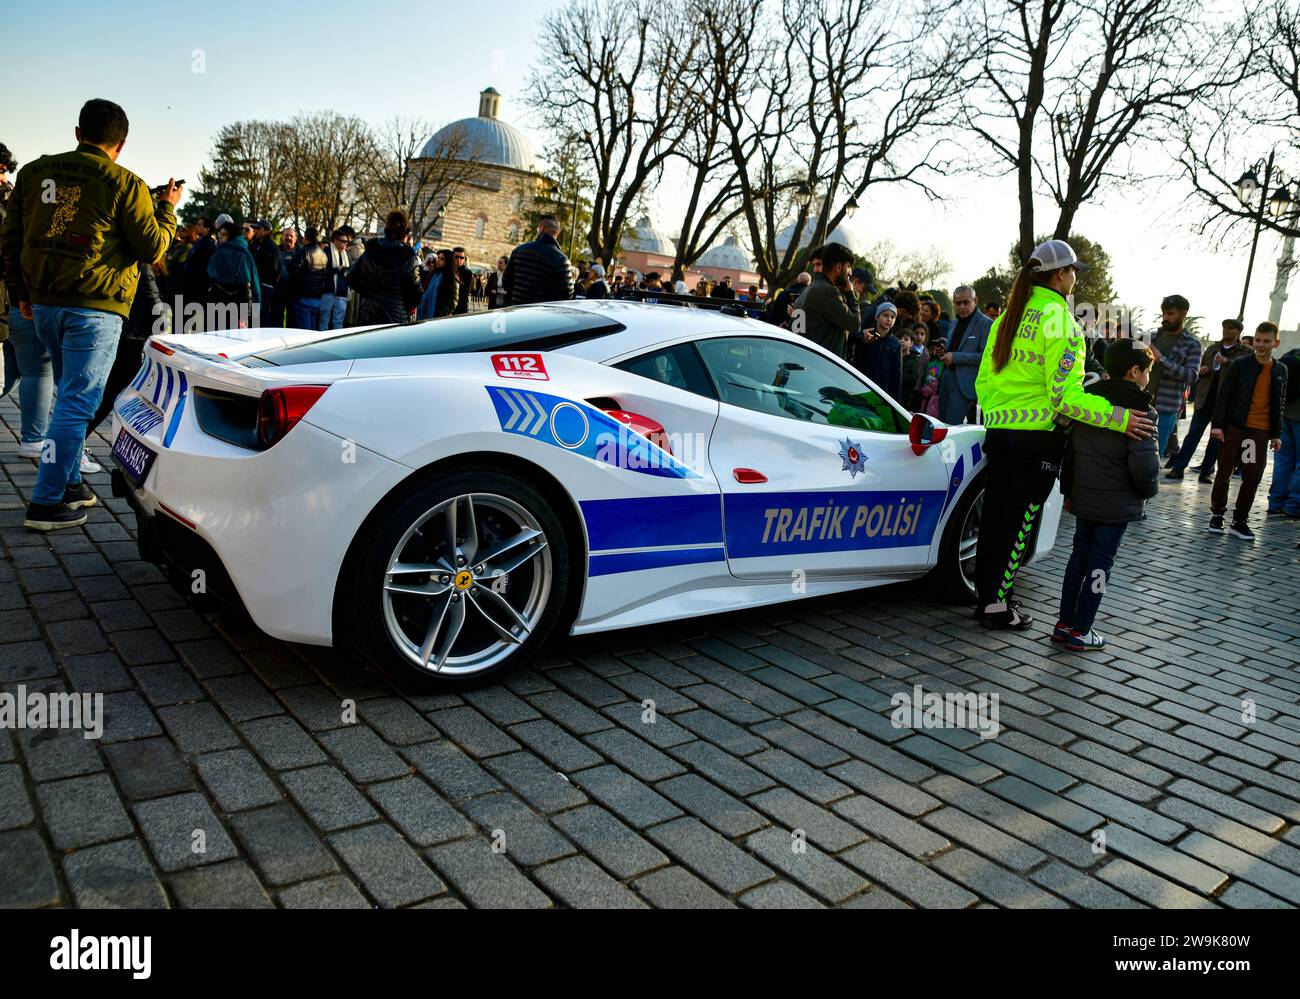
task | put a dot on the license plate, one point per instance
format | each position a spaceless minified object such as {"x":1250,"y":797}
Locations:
{"x":132,"y":457}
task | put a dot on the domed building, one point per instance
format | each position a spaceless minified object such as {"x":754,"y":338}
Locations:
{"x":728,"y":259}
{"x":485,"y":211}
{"x":649,"y":250}
{"x":839,"y":235}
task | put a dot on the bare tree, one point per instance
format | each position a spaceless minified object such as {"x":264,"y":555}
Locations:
{"x":320,"y":182}
{"x":392,"y":171}
{"x":613,"y":77}
{"x":893,"y":266}
{"x":247,"y":164}
{"x":1068,"y":94}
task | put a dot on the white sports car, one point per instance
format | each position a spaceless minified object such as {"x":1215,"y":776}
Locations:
{"x":442,"y":495}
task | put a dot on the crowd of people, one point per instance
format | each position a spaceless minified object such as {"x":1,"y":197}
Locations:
{"x":93,"y":270}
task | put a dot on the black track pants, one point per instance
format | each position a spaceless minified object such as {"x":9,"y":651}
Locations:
{"x":1023,"y":466}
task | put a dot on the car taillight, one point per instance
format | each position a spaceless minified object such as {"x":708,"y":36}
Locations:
{"x":280,"y":410}
{"x":651,"y":430}
{"x":160,"y":348}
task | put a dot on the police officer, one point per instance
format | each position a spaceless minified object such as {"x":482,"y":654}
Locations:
{"x":1030,"y":386}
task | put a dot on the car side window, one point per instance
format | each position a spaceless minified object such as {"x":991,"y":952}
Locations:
{"x":678,"y":366}
{"x":783,"y":379}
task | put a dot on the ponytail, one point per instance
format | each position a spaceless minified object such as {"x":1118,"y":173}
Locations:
{"x":1009,"y":321}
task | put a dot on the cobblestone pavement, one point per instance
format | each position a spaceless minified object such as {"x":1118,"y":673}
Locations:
{"x":768,"y":721}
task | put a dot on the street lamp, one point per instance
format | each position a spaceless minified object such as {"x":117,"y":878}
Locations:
{"x":851,"y":208}
{"x":1247,"y":185}
{"x":1280,"y":202}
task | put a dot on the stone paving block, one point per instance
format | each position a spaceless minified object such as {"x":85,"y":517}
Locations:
{"x":419,"y":812}
{"x":315,"y":706}
{"x":635,"y":755}
{"x":171,"y":827}
{"x":364,"y":755}
{"x":994,"y":883}
{"x":1020,"y":765}
{"x":450,"y":770}
{"x":1150,"y":888}
{"x":167,"y":684}
{"x":537,"y":782}
{"x":728,"y":705}
{"x":585,"y":686}
{"x":794,"y":773}
{"x":526,"y":838}
{"x":1242,"y":865}
{"x":721,"y":732}
{"x":489,"y":880}
{"x":722,"y":768}
{"x":571,"y":713}
{"x":1240,"y":895}
{"x":281,"y":743}
{"x":904,"y":797}
{"x":114,"y":876}
{"x":885,"y":824}
{"x":808,"y":866}
{"x":284,"y":848}
{"x":102,"y":672}
{"x":236,"y":780}
{"x":329,"y":798}
{"x":984,"y":838}
{"x":779,"y":895}
{"x":711,"y":804}
{"x":552,"y":744}
{"x":1050,"y":806}
{"x":148,"y":768}
{"x":1177,"y":765}
{"x":883,"y":865}
{"x":799,"y":743}
{"x":242,"y":698}
{"x":612,"y":844}
{"x":225,"y":886}
{"x":15,"y":804}
{"x":81,"y":811}
{"x":141,"y":647}
{"x":578,"y":883}
{"x":389,"y":870}
{"x":655,"y":728}
{"x":677,"y":888}
{"x":197,"y":728}
{"x":335,"y":892}
{"x":1171,"y":862}
{"x":1081,"y":889}
{"x":127,"y":716}
{"x":820,"y":826}
{"x":1232,"y":807}
{"x":1126,"y":813}
{"x":722,"y":864}
{"x":27,"y":878}
{"x":396,"y":722}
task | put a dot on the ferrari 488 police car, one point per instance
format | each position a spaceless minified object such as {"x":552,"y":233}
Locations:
{"x":443,"y":495}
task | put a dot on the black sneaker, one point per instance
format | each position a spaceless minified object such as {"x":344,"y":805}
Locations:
{"x":1013,"y":618}
{"x":43,"y":517}
{"x":1216,"y":525}
{"x":1174,"y":473}
{"x":79,"y":496}
{"x":1240,"y":529}
{"x":1205,"y":480}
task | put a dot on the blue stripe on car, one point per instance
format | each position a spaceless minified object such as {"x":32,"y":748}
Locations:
{"x":604,"y":565}
{"x":653,"y":521}
{"x":176,"y":414}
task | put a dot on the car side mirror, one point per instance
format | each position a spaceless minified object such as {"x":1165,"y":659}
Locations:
{"x":924,"y":432}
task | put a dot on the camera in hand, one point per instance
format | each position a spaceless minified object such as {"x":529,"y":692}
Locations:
{"x":162,"y":188}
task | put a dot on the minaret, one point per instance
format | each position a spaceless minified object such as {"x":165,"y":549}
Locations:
{"x":488,"y":101}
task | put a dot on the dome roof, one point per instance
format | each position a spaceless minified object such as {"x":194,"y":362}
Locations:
{"x":648,"y":239}
{"x":839,"y":235}
{"x":727,"y":255}
{"x":485,"y":139}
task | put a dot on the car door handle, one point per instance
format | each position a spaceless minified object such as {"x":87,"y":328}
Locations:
{"x":748,"y":476}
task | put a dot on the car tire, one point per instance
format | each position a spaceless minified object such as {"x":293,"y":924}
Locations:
{"x":954,"y":573}
{"x":400,"y":579}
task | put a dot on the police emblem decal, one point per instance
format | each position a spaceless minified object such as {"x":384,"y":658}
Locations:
{"x":854,"y":460}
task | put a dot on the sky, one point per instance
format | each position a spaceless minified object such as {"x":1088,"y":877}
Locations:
{"x":182,"y":71}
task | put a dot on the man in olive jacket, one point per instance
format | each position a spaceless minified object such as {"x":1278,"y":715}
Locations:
{"x":78,"y":226}
{"x":827,"y":312}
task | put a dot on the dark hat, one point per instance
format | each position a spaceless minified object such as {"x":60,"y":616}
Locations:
{"x":261,"y":224}
{"x":863,"y":274}
{"x":1236,"y":324}
{"x":1175,"y":302}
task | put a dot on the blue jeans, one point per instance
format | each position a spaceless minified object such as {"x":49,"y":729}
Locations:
{"x":1284,"y":494}
{"x":1200,"y":422}
{"x":332,"y":309}
{"x":1166,"y":423}
{"x":1088,"y":572}
{"x":36,"y":379}
{"x":306,"y":314}
{"x":85,"y":343}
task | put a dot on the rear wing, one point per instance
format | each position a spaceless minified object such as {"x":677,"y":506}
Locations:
{"x":726,"y":306}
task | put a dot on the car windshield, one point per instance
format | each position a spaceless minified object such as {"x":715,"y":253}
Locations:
{"x":520,"y":328}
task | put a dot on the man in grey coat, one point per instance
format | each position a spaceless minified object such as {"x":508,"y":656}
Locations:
{"x":962,"y":362}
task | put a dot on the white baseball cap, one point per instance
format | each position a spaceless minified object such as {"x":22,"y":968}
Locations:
{"x":1056,"y":253}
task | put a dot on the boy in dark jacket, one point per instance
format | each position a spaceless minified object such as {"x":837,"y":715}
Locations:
{"x":1107,"y":479}
{"x":1247,"y":422}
